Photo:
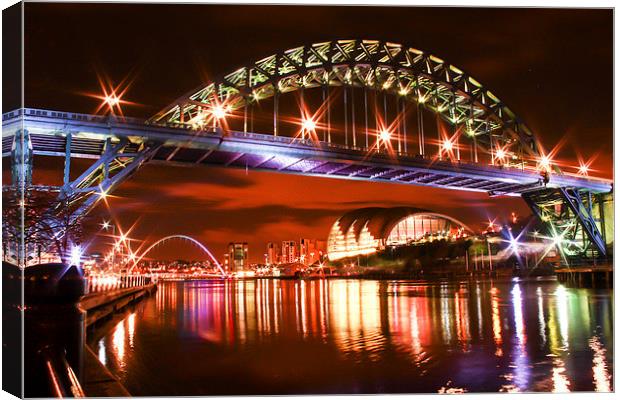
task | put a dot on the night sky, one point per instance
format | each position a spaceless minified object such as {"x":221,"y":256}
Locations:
{"x":552,"y":67}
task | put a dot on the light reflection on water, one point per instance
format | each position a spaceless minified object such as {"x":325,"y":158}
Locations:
{"x":362,"y":336}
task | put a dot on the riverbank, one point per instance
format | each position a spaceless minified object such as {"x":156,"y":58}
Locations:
{"x":573,"y":277}
{"x":601,"y":276}
{"x":98,"y":381}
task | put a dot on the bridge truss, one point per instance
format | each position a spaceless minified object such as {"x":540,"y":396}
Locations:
{"x":411,"y":75}
{"x":575,"y":218}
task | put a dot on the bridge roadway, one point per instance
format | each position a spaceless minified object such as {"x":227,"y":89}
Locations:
{"x":48,"y":132}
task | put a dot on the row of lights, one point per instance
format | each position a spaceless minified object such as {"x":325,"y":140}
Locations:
{"x":544,"y":162}
{"x":220,"y":112}
{"x":122,"y":240}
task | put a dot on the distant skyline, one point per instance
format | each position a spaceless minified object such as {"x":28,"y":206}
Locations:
{"x":554,"y":68}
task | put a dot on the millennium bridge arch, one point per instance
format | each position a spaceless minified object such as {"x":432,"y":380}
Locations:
{"x":181,"y":237}
{"x":358,"y":113}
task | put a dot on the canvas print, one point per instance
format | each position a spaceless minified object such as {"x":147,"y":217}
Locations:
{"x":243,"y":199}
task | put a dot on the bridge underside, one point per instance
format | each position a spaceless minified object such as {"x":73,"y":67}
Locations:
{"x":118,"y":148}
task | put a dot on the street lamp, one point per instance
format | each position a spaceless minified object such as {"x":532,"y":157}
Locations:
{"x":308,"y":124}
{"x":385,"y":135}
{"x":500,"y":154}
{"x":112,"y":100}
{"x":544,"y":162}
{"x":106,"y":225}
{"x":219,"y":112}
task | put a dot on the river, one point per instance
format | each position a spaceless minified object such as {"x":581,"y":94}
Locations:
{"x":273,"y":336}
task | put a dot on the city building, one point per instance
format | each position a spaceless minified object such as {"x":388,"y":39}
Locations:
{"x":367,"y":230}
{"x":289,"y":252}
{"x":237,"y":259}
{"x":273,"y":253}
{"x":311,"y":250}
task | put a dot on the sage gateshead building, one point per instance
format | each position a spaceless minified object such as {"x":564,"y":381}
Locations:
{"x":366,"y":230}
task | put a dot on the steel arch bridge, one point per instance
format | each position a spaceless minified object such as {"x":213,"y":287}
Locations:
{"x":411,"y":74}
{"x":182,"y":237}
{"x":359,"y":112}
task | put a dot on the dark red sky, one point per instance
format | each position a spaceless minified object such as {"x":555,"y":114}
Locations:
{"x":552,"y":67}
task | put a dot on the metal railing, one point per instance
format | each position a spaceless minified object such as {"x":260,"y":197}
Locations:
{"x":105,"y":283}
{"x":37,"y":112}
{"x":63,"y":382}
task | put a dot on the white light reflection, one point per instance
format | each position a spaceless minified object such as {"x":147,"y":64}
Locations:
{"x":304,"y":316}
{"x":446,"y":315}
{"x":241,"y":298}
{"x":322,"y":313}
{"x":277,"y":294}
{"x":355,"y":317}
{"x":479,"y":311}
{"x":102,"y":357}
{"x":279,"y":305}
{"x":296,"y":286}
{"x":561,"y":302}
{"x":497,"y":325}
{"x":602,"y":378}
{"x":518,"y":313}
{"x":560,"y":381}
{"x":415,"y":329}
{"x":118,"y":343}
{"x":521,"y":362}
{"x":541,"y":316}
{"x":131,"y":327}
{"x":462,"y":319}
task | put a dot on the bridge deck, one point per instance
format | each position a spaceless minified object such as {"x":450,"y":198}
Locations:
{"x":48,"y":130}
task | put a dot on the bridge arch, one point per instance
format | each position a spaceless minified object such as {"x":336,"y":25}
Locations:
{"x":189,"y":238}
{"x":408,"y":73}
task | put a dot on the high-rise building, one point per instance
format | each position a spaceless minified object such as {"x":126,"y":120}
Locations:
{"x":273,"y":253}
{"x":289,"y":251}
{"x":321,"y":246}
{"x":237,"y":257}
{"x":306,"y":251}
{"x":311,"y":250}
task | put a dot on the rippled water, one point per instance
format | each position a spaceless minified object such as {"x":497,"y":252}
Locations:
{"x":361,"y":336}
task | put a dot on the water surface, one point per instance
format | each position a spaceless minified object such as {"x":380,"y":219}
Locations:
{"x":361,"y":336}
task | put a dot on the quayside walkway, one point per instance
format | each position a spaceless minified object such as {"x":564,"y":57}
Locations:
{"x":100,"y":304}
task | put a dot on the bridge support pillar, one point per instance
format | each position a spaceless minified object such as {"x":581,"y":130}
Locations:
{"x":21,"y":179}
{"x":21,"y":159}
{"x":569,"y":214}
